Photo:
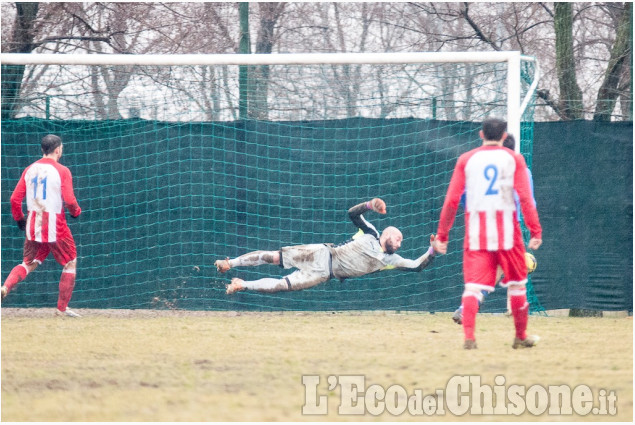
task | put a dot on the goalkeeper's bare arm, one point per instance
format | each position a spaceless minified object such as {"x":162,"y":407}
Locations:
{"x":367,"y":252}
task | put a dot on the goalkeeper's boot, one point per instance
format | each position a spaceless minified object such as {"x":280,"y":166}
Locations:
{"x":528,"y":342}
{"x":222,"y":265}
{"x":470,"y":344}
{"x":68,"y":313}
{"x":4,"y":291}
{"x":458,"y":316}
{"x":235,"y":286}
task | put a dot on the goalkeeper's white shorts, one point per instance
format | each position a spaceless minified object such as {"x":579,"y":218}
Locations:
{"x":312,"y":262}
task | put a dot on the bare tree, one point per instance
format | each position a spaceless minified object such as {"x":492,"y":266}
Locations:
{"x":570,"y":94}
{"x":269,"y":15}
{"x":618,"y":69}
{"x":21,"y":42}
{"x":572,"y":41}
{"x":584,"y":49}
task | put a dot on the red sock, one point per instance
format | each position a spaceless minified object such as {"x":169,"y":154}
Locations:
{"x":520,"y":311}
{"x":67,"y":283}
{"x":470,"y":308}
{"x":17,"y":275}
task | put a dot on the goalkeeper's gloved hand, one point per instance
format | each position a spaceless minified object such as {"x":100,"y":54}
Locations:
{"x":21,"y":224}
{"x":377,"y":205}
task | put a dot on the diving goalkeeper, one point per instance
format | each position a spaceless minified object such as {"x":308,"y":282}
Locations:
{"x":367,"y":252}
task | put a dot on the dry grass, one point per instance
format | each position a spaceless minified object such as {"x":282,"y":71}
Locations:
{"x":194,"y":366}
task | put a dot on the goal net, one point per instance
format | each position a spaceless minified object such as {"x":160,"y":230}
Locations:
{"x":179,"y":161}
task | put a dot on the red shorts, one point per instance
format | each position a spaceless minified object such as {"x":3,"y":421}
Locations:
{"x":63,"y":250}
{"x":479,"y":267}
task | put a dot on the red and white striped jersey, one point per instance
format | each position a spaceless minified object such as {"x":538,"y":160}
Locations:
{"x":489,"y":175}
{"x":48,"y":187}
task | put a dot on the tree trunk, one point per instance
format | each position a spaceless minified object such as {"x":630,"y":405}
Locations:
{"x":570,"y":93}
{"x":243,"y":70}
{"x":22,"y":42}
{"x":259,"y":82}
{"x":621,"y":51}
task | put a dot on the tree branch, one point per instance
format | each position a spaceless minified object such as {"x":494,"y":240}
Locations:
{"x":46,"y":40}
{"x":544,"y":6}
{"x":544,"y":95}
{"x":476,"y":28}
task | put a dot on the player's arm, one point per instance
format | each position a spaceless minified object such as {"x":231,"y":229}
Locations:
{"x":531,"y":185}
{"x":68,"y":195}
{"x":533,"y":198}
{"x":527,"y":204}
{"x":400,"y":263}
{"x":450,"y":206}
{"x":355,"y":214}
{"x":16,"y":202}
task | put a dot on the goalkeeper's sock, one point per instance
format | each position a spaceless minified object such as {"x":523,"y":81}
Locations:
{"x":16,"y":276}
{"x":67,"y":283}
{"x":480,"y":301}
{"x":470,"y":303}
{"x":520,"y":311}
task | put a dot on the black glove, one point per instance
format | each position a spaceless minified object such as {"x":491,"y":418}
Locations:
{"x":22,"y":224}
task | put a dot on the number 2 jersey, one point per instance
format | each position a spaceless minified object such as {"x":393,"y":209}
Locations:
{"x":489,"y":175}
{"x":48,"y":188}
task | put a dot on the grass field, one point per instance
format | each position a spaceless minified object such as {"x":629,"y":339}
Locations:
{"x":206,"y":366}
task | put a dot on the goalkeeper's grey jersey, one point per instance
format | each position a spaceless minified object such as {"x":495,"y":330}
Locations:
{"x":363,"y":255}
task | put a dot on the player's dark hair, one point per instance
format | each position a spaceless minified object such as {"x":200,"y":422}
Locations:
{"x":493,"y":129}
{"x":510,"y":142}
{"x":50,"y":142}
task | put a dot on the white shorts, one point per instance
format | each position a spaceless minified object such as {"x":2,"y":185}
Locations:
{"x":312,"y":261}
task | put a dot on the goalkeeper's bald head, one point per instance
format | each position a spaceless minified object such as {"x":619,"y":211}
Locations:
{"x":391,"y":239}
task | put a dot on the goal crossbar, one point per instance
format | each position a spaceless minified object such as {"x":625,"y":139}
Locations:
{"x":260,"y":59}
{"x":515,"y":108}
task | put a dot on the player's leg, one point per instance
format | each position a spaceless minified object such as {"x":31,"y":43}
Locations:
{"x":479,"y":272}
{"x":515,"y":272}
{"x":256,"y":258}
{"x":33,"y":255}
{"x":312,"y":262}
{"x":520,"y":312}
{"x":17,"y":275}
{"x":294,"y":282}
{"x":65,"y":254}
{"x":499,"y":281}
{"x":267,"y":284}
{"x":67,"y":284}
{"x":458,"y":313}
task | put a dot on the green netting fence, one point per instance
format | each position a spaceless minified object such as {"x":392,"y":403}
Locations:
{"x":167,"y":186}
{"x":162,"y":201}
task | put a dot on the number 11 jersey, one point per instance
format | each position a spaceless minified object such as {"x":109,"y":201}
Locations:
{"x":48,"y":187}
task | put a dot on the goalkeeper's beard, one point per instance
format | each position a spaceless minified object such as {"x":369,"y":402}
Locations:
{"x":390,"y":248}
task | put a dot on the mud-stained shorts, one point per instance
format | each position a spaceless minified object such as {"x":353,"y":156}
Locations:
{"x":63,"y":250}
{"x":311,"y":261}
